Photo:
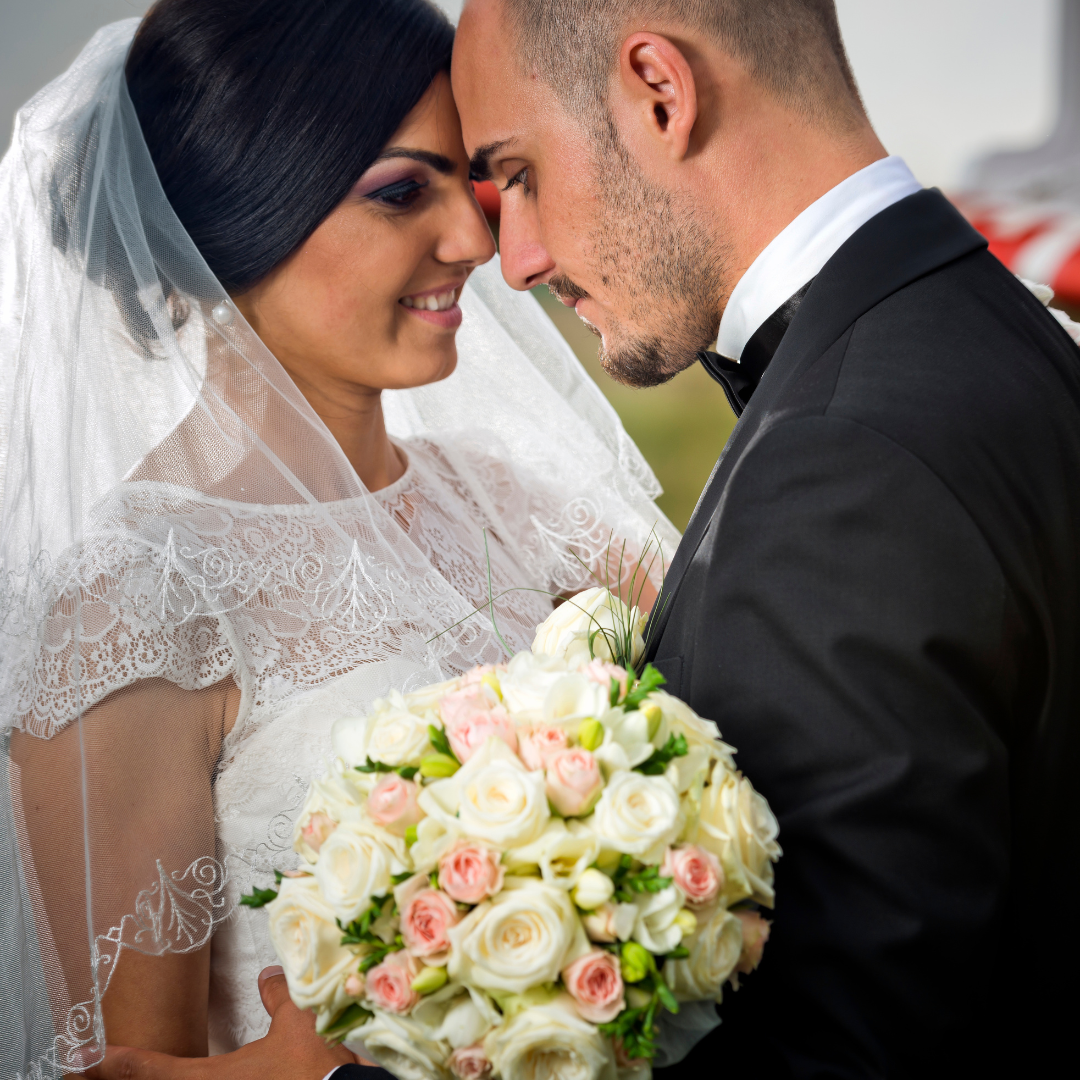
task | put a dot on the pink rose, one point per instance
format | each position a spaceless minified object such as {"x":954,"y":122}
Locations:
{"x":624,"y":1060}
{"x":470,"y":872}
{"x":602,"y":672}
{"x":600,"y":924}
{"x":539,"y":745}
{"x":471,"y":716}
{"x":755,"y":932}
{"x":392,"y":803}
{"x":573,"y":782}
{"x":696,"y":872}
{"x":476,"y":675}
{"x":425,"y":919}
{"x":389,"y":984}
{"x":595,"y":983}
{"x":354,"y":985}
{"x":317,"y":830}
{"x":470,"y":1063}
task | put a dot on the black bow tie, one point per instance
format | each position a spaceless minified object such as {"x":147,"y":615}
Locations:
{"x":740,"y":379}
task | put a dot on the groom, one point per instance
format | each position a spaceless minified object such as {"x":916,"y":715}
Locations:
{"x":878,"y":596}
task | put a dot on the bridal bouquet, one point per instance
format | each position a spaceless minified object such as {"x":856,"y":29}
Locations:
{"x":520,"y":872}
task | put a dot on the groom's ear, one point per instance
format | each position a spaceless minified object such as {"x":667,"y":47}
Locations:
{"x":659,"y":91}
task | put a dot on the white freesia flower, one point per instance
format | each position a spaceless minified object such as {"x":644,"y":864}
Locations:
{"x":714,"y":951}
{"x":655,"y":926}
{"x":680,"y":719}
{"x":308,"y":944}
{"x":594,"y":613}
{"x":574,"y":698}
{"x":628,"y":739}
{"x":563,"y":852}
{"x":550,"y":1042}
{"x":526,"y":682}
{"x":593,"y":888}
{"x":456,"y":1018}
{"x":492,"y":797}
{"x":391,"y":734}
{"x":637,"y":815}
{"x":355,"y":864}
{"x":519,"y":939}
{"x":689,"y":769}
{"x":737,"y":825}
{"x":402,"y":1046}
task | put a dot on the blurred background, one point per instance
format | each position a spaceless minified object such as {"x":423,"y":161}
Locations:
{"x":946,"y":82}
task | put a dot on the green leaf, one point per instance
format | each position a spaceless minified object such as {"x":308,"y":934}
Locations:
{"x":680,"y":952}
{"x":676,"y":746}
{"x":258,"y":897}
{"x":372,"y":767}
{"x":352,"y":1017}
{"x":278,"y":876}
{"x":397,"y":879}
{"x":650,"y":680}
{"x":439,"y":741}
{"x":667,"y":998}
{"x":407,"y":772}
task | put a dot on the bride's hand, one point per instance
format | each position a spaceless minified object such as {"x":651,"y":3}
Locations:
{"x":291,"y":1050}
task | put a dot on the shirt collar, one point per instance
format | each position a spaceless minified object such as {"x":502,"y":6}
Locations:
{"x":799,"y":252}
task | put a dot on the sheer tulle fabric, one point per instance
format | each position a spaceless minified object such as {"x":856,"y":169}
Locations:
{"x":195,"y":581}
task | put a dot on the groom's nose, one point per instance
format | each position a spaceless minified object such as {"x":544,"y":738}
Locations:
{"x":525,"y":260}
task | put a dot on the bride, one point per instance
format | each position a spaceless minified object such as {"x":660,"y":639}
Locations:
{"x":244,"y":487}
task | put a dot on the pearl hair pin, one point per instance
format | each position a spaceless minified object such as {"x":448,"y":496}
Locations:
{"x":222,"y":314}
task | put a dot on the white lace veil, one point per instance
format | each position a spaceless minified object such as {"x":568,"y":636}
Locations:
{"x":146,"y":436}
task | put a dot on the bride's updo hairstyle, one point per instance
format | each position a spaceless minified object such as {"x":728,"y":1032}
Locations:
{"x":260,"y":115}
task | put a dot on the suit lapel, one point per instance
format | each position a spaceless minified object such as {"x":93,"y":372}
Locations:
{"x":901,"y":244}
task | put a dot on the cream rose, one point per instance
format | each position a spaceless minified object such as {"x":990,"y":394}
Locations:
{"x":391,"y":734}
{"x":519,"y":939}
{"x":355,"y":864}
{"x":330,"y":800}
{"x":637,"y":815}
{"x":714,"y":951}
{"x":308,"y":944}
{"x":737,"y":825}
{"x":566,"y":631}
{"x":492,"y":797}
{"x":402,"y":1046}
{"x":550,"y":1042}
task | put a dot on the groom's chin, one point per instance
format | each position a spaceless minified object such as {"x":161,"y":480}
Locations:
{"x":644,"y":363}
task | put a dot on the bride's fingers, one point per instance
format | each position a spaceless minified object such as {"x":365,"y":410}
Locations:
{"x":127,"y":1063}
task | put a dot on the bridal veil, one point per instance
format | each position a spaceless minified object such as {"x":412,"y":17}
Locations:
{"x":175,"y":517}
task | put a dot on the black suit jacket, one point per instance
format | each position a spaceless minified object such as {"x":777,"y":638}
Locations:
{"x":878,"y":601}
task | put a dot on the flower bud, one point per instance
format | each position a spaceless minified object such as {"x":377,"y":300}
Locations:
{"x":410,"y":836}
{"x":438,"y":766}
{"x":653,"y":714}
{"x":686,"y":921}
{"x":593,"y":889}
{"x":491,"y":680}
{"x":636,"y":962}
{"x":354,"y":985}
{"x":590,"y":734}
{"x":429,"y":980}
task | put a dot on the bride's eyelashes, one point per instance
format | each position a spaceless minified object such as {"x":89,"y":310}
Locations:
{"x":398,"y":196}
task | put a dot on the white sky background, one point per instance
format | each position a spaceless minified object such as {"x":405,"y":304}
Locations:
{"x":944,"y":80}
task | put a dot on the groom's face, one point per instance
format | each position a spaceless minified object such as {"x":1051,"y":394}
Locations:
{"x":580,"y":216}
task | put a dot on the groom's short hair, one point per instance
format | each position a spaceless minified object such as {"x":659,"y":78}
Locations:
{"x":793,"y":47}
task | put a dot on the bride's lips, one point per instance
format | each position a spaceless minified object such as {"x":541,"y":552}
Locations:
{"x":437,"y":306}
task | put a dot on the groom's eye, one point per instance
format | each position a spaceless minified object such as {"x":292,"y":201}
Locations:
{"x":521,"y":178}
{"x":400,"y":195}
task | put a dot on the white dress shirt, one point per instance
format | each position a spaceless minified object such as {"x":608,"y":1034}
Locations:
{"x":799,"y":252}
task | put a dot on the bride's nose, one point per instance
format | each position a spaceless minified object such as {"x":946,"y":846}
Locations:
{"x":465,"y":237}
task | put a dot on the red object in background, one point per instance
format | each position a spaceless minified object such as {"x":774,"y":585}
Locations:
{"x":487,"y":195}
{"x":1038,"y":241}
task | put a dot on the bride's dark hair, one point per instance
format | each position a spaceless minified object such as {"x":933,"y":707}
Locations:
{"x":260,"y":115}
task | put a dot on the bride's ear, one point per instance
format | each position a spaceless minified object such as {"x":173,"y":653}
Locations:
{"x":658,"y":91}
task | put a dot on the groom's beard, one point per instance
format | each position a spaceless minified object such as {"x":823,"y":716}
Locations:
{"x":657,"y":258}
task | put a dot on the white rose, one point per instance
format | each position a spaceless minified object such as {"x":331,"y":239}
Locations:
{"x":737,"y":825}
{"x":594,"y":613}
{"x":390,"y":734}
{"x":550,"y":1042}
{"x":423,"y":702}
{"x":637,"y":815}
{"x":519,"y":939}
{"x":336,"y":797}
{"x":655,"y":925}
{"x":355,"y":864}
{"x":308,"y":944}
{"x":402,"y":1046}
{"x":594,"y":888}
{"x":714,"y":951}
{"x":526,"y":682}
{"x":563,"y":852}
{"x":492,"y":797}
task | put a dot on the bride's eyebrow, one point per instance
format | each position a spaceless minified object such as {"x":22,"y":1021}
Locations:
{"x":438,"y":162}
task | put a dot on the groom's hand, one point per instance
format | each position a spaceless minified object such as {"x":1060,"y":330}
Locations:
{"x":291,"y":1050}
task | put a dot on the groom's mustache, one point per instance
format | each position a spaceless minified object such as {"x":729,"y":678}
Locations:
{"x":562,"y":288}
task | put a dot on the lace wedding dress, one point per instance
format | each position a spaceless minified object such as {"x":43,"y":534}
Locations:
{"x":182,"y":542}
